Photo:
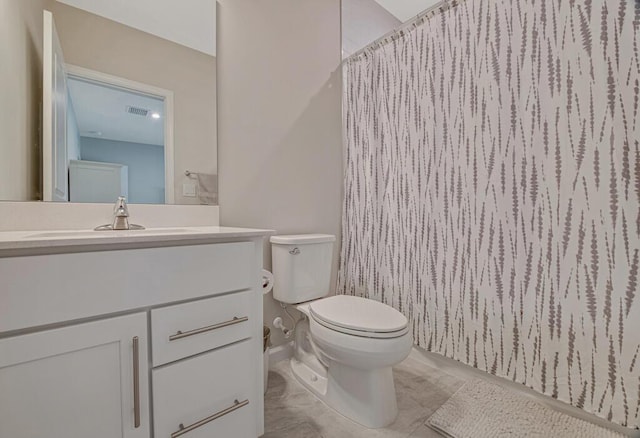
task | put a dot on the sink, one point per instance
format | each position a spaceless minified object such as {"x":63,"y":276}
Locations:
{"x":118,"y":233}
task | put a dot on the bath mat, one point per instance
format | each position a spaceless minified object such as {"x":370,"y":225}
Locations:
{"x":482,"y":410}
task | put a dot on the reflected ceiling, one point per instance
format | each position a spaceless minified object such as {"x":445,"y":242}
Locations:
{"x":103,"y":112}
{"x":190,"y":23}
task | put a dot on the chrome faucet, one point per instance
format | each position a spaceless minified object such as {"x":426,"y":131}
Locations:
{"x":120,"y":218}
{"x":120,"y":215}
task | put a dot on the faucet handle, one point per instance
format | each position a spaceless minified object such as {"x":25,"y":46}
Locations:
{"x":120,"y":209}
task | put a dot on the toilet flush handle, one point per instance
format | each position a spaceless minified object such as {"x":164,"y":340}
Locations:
{"x":294,"y":251}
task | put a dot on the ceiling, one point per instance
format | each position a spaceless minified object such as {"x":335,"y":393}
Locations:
{"x":365,"y":21}
{"x":101,"y":112}
{"x":404,"y":10}
{"x":193,"y":26}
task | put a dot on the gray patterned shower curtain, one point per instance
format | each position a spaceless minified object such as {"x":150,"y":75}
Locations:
{"x":492,"y":192}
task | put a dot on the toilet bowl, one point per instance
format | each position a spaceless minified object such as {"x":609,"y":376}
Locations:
{"x":355,"y":376}
{"x":345,"y":346}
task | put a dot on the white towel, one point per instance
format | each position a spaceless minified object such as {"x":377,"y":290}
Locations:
{"x":207,"y":188}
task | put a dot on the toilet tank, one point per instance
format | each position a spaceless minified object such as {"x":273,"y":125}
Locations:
{"x":301,"y":267}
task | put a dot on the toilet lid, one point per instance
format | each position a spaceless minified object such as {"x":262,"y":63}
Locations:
{"x":363,"y":316}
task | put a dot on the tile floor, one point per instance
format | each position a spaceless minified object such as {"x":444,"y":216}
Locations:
{"x":292,"y":412}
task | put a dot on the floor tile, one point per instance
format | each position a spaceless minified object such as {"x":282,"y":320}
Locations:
{"x":292,"y":411}
{"x":425,"y":432}
{"x":303,"y":430}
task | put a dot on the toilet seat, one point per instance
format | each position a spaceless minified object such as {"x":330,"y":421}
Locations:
{"x":359,"y":317}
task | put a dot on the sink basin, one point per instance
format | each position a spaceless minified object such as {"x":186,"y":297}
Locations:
{"x":117,"y":233}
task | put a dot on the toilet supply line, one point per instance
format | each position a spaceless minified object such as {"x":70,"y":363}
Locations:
{"x":279,"y":323}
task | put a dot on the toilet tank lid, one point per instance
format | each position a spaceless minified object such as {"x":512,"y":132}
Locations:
{"x":301,"y":239}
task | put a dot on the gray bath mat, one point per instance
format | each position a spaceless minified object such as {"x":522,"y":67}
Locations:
{"x":483,"y":410}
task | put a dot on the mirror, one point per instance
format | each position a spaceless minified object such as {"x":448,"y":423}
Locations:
{"x":364,"y":22}
{"x":101,"y":99}
{"x":116,"y":140}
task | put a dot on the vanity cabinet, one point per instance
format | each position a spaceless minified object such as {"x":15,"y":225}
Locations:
{"x":86,"y":380}
{"x":159,"y":341}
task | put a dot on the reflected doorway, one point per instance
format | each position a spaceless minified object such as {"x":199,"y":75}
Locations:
{"x":115,"y":141}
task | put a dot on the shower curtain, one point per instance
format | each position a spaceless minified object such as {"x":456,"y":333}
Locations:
{"x":492,"y":192}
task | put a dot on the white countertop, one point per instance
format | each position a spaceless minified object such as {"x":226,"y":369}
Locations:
{"x":48,"y":241}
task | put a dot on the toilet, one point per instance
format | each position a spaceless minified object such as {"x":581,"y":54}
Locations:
{"x":344,"y":346}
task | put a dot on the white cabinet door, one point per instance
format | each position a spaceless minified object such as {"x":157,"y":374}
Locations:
{"x":80,"y":381}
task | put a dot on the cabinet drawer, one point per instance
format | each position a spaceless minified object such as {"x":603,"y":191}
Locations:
{"x":209,"y":395}
{"x":108,"y":282}
{"x":187,"y":329}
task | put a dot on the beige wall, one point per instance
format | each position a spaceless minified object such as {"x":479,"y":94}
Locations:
{"x":20,"y":96}
{"x":280,"y":130}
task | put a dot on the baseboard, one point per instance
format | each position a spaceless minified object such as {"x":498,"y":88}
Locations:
{"x":464,"y":371}
{"x":280,"y":353}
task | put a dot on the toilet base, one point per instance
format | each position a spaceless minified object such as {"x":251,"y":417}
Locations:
{"x":309,"y":378}
{"x":367,"y":397}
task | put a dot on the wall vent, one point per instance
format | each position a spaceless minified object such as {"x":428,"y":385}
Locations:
{"x":137,"y":111}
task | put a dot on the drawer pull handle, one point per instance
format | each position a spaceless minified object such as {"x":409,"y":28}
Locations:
{"x":136,"y":382}
{"x":182,"y":429}
{"x":235,"y":320}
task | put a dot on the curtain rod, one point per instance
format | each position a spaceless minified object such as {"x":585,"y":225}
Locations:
{"x":441,"y":6}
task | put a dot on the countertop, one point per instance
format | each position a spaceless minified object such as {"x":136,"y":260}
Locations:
{"x":19,"y":243}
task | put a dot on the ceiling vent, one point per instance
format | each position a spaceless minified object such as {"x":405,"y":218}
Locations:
{"x":137,"y":111}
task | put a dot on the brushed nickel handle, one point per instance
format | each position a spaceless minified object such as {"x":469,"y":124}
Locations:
{"x":136,"y":382}
{"x":182,"y":429}
{"x":235,"y":320}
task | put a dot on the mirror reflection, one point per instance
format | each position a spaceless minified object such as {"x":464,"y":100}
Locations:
{"x":114,"y":100}
{"x":115,"y":143}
